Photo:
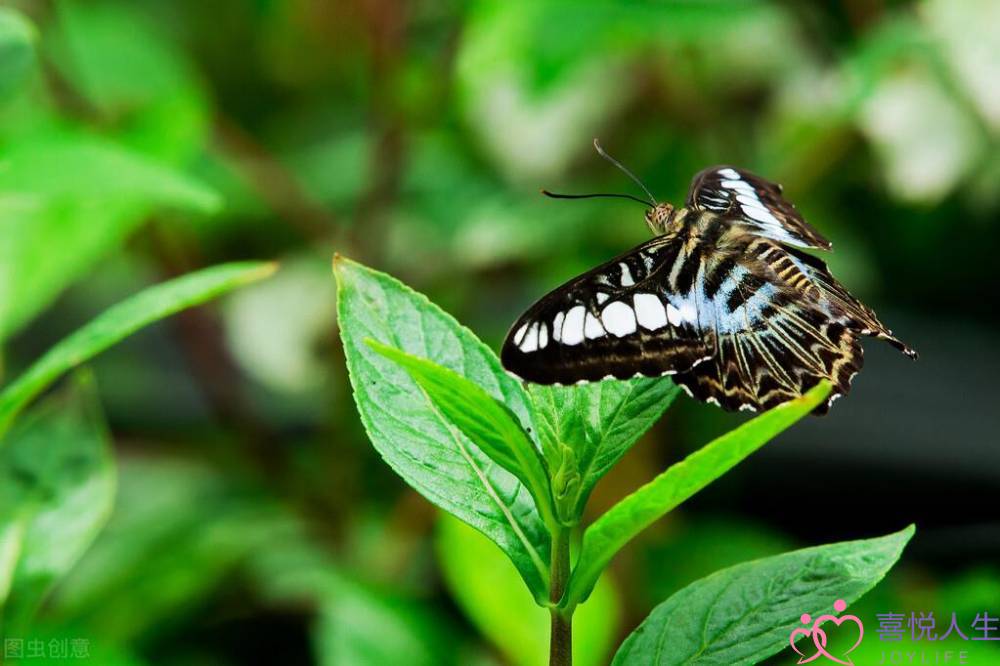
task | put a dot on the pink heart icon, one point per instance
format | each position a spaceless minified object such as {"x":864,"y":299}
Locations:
{"x":819,"y":636}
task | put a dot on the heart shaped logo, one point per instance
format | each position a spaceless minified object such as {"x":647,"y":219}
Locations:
{"x":819,"y":636}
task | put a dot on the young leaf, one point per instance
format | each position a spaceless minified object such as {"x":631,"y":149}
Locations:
{"x":57,"y":483}
{"x":639,"y":510}
{"x":413,"y":436}
{"x":746,"y":613}
{"x":483,"y":419}
{"x":17,"y":50}
{"x":598,"y":423}
{"x":486,"y":588}
{"x":120,"y":321}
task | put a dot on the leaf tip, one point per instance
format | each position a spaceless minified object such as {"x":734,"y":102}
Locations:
{"x":394,"y":354}
{"x":341,"y":265}
{"x":813,"y":397}
{"x":267,"y":269}
{"x":256,"y":271}
{"x":340,"y":262}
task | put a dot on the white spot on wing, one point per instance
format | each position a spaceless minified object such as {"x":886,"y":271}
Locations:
{"x":601,"y":297}
{"x":530,"y":342}
{"x":760,"y":214}
{"x":520,"y":333}
{"x":592,"y":327}
{"x":649,"y":311}
{"x":700,"y":361}
{"x":618,"y":319}
{"x":729,"y":173}
{"x":738,"y":185}
{"x":557,"y":324}
{"x":572,"y":332}
{"x":543,"y":335}
{"x":627,"y":280}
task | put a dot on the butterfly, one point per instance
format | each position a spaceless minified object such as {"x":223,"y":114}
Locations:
{"x":724,"y":298}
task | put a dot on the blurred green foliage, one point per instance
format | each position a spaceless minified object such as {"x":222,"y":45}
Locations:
{"x":141,"y":139}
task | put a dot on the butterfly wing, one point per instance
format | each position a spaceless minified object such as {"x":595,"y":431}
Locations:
{"x":739,"y":319}
{"x":859,"y":315}
{"x":733,"y":192}
{"x":618,"y":320}
{"x":780,"y":323}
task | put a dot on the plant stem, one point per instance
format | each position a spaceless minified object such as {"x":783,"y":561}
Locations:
{"x":561,"y":641}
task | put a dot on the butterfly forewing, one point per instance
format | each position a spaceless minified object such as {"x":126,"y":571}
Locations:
{"x":618,"y":320}
{"x":738,"y":194}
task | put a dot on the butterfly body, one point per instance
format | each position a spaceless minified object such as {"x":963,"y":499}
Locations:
{"x":722,"y":299}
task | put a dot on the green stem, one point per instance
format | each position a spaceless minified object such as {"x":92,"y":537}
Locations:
{"x":561,"y":641}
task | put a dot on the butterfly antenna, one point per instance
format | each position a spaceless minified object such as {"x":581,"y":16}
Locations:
{"x":555,"y":195}
{"x":635,"y":179}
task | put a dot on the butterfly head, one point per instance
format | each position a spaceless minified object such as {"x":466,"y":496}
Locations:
{"x":659,"y":218}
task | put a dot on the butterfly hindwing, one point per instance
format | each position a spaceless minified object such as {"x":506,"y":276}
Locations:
{"x":618,"y":320}
{"x":775,"y":356}
{"x":859,"y":315}
{"x":736,"y":193}
{"x":792,"y":325}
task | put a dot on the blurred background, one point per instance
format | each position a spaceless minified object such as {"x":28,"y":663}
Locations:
{"x":253,"y":521}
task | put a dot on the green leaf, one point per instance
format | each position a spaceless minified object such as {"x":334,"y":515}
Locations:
{"x":67,"y":200}
{"x":417,"y":441}
{"x":113,"y":55}
{"x":486,"y":587}
{"x":744,"y":614}
{"x":651,"y":502}
{"x":17,"y":50}
{"x":69,"y":166}
{"x":719,"y":541}
{"x":120,"y":321}
{"x":158,"y":556}
{"x":134,"y":75}
{"x":483,"y":419}
{"x":57,"y":484}
{"x":584,"y":430}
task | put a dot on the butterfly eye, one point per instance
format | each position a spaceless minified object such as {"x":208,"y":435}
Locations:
{"x":658,"y":217}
